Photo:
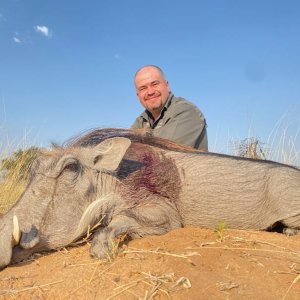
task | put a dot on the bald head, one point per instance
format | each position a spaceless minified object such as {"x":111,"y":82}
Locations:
{"x":150,"y":67}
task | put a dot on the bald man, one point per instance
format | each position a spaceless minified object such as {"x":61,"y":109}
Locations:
{"x":165,"y":115}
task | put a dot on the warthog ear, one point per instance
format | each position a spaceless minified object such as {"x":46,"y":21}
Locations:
{"x":108,"y":154}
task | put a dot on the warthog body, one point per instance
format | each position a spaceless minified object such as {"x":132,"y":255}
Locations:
{"x":139,"y":185}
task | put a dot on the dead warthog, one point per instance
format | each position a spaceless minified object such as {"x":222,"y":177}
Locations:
{"x":140,"y":185}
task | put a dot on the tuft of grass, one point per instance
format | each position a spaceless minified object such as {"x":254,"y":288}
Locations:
{"x":285,"y":152}
{"x":251,"y":148}
{"x":219,"y":230}
{"x":281,"y":145}
{"x":115,"y":247}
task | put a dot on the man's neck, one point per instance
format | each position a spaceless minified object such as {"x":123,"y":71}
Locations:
{"x":155,"y":115}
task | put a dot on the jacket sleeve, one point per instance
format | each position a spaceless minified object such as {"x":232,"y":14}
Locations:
{"x":187,"y":126}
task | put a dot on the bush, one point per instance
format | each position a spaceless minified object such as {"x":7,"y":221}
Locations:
{"x":14,"y":171}
{"x":18,"y":165}
{"x":251,"y":148}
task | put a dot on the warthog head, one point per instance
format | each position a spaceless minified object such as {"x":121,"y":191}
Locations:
{"x":61,"y":201}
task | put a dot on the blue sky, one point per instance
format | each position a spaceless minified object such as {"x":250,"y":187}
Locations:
{"x":68,"y":66}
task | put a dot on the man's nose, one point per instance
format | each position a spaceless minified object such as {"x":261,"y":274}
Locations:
{"x":150,"y":90}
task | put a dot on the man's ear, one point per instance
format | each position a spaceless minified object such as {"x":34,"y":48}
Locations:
{"x":108,"y":154}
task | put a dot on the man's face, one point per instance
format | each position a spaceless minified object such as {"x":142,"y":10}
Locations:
{"x":152,"y":90}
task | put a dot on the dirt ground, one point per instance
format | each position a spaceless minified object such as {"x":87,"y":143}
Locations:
{"x":189,"y":263}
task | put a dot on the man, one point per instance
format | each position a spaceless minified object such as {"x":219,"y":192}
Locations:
{"x":165,"y":115}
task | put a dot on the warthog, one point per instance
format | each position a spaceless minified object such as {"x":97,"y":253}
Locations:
{"x":139,"y":185}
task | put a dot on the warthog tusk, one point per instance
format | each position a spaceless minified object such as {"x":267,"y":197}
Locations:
{"x":16,"y":231}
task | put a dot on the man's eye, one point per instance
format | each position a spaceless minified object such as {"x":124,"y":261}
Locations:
{"x":155,"y":83}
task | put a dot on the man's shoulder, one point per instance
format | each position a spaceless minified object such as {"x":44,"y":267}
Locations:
{"x":143,"y":115}
{"x":140,"y":120}
{"x":180,"y":104}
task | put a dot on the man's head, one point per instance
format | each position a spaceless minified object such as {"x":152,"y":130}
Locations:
{"x":152,"y":88}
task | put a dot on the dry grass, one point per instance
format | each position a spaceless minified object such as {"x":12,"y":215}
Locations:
{"x":15,"y":292}
{"x":282,"y":142}
{"x":14,"y":172}
{"x":184,"y":255}
{"x":12,"y":187}
{"x":10,"y":190}
{"x":158,"y":283}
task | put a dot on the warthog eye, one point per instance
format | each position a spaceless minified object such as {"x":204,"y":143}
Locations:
{"x":72,"y":167}
{"x":71,"y":171}
{"x":67,"y":166}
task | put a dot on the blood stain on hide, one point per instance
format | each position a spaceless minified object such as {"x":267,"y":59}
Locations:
{"x":155,"y":174}
{"x":146,"y":179}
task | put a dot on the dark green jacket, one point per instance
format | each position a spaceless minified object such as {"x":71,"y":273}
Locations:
{"x":179,"y":120}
